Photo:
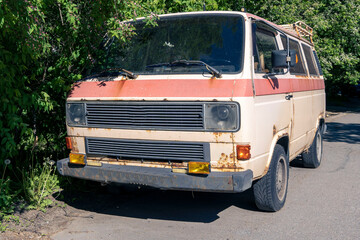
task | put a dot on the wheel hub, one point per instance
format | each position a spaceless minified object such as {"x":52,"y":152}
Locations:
{"x":281,"y":181}
{"x":318,"y":146}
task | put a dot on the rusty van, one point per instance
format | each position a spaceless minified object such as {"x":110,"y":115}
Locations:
{"x":203,"y":101}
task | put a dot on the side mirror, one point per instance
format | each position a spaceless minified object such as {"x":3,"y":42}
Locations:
{"x":278,"y":58}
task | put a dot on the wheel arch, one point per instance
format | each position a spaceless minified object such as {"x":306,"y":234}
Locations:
{"x":281,"y":138}
{"x":321,"y":124}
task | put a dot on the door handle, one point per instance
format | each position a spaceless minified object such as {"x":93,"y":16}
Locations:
{"x":288,"y":97}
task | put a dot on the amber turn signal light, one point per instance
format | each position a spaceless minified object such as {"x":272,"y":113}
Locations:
{"x":243,"y":152}
{"x":68,"y":143}
{"x":199,"y":167}
{"x":76,"y":158}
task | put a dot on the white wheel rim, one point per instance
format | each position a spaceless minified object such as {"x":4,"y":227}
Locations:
{"x":281,"y":178}
{"x":318,"y":146}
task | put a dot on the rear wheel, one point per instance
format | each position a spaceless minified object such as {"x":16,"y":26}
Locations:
{"x":271,"y":190}
{"x":312,"y":157}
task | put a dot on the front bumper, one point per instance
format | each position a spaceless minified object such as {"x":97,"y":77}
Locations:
{"x":161,"y":178}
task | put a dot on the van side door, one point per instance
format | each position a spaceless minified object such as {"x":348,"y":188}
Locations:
{"x":273,"y":110}
{"x":302,"y":101}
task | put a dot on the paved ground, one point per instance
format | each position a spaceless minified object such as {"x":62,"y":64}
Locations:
{"x":322,"y":203}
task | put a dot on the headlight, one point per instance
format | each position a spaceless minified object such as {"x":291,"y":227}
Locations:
{"x":75,"y":114}
{"x":222,"y":116}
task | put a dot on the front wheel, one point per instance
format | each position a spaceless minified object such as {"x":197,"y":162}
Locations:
{"x":271,"y":190}
{"x":312,"y":157}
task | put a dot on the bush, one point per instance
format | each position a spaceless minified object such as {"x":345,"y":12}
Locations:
{"x":7,"y":195}
{"x":38,"y":183}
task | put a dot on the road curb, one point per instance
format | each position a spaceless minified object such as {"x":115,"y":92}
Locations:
{"x":335,"y":116}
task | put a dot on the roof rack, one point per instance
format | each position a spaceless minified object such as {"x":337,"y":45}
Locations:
{"x":301,"y":29}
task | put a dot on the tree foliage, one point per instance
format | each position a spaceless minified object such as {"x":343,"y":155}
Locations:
{"x":45,"y":46}
{"x":336,"y":33}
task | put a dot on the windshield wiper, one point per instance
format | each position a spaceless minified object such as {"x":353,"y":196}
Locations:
{"x":114,"y":72}
{"x":214,"y":72}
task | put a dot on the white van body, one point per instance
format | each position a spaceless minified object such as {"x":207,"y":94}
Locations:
{"x":278,"y":118}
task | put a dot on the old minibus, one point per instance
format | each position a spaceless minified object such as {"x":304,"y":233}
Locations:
{"x":203,"y":101}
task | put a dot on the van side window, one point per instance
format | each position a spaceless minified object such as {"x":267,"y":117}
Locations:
{"x":318,"y":63}
{"x":299,"y":66}
{"x":265,"y":43}
{"x":309,"y":59}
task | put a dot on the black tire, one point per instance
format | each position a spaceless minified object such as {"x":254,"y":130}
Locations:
{"x":271,"y":190}
{"x":312,"y":157}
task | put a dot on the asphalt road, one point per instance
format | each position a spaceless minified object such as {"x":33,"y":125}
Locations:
{"x":322,"y":203}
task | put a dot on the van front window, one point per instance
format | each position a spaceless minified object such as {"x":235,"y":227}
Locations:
{"x":217,"y":40}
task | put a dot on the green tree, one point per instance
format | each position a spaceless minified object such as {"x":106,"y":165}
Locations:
{"x":45,"y":46}
{"x":336,"y":33}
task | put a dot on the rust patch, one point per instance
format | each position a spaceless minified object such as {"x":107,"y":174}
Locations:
{"x":124,"y":162}
{"x":274,"y":130}
{"x":75,"y":147}
{"x":177,"y":165}
{"x":217,"y":135}
{"x":264,"y":173}
{"x":233,"y":151}
{"x":224,"y":162}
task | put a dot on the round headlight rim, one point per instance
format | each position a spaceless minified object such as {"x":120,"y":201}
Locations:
{"x":225,"y":107}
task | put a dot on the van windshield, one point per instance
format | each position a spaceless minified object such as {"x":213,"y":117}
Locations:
{"x":216,"y":40}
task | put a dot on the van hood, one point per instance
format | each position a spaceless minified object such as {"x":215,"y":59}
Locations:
{"x":161,"y":88}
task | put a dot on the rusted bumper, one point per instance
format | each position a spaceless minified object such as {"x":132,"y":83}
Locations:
{"x":159,"y":177}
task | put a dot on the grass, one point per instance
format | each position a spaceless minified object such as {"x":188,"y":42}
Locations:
{"x":34,"y":186}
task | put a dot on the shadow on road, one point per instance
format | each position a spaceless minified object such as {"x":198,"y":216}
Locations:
{"x":343,"y":104}
{"x":343,"y":132}
{"x":157,"y":204}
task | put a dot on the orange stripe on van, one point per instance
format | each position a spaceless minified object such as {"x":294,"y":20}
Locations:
{"x":286,"y":85}
{"x":164,"y":88}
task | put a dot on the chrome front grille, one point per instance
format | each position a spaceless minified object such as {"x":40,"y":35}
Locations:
{"x":148,"y":150}
{"x":146,"y":115}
